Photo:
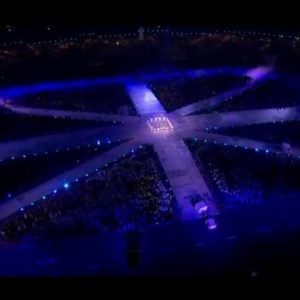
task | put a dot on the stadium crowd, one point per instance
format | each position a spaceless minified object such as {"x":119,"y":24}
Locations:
{"x":78,"y":57}
{"x":21,"y":173}
{"x":243,"y":177}
{"x":131,"y":193}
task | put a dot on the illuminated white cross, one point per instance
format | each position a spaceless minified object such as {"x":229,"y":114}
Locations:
{"x":182,"y":172}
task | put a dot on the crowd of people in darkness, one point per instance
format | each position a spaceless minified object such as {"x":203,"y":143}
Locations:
{"x":98,"y":98}
{"x":275,"y":132}
{"x":245,"y":177}
{"x":22,"y":126}
{"x":78,"y":57}
{"x":21,"y":173}
{"x":272,"y":93}
{"x":178,"y":92}
{"x":124,"y":52}
{"x":130,"y":194}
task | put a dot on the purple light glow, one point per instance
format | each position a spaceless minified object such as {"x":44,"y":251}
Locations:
{"x":16,"y":91}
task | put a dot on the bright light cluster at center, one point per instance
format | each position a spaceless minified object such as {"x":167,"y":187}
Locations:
{"x":160,"y":125}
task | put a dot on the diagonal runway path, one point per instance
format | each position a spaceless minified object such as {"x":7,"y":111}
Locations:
{"x":64,"y":140}
{"x":258,"y":146}
{"x":46,"y":188}
{"x":256,"y":76}
{"x":245,"y":117}
{"x":250,"y":117}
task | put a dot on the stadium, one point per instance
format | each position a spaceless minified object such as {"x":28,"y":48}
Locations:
{"x":149,"y":151}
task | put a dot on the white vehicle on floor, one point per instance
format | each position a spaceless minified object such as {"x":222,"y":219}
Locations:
{"x":201,"y":207}
{"x":211,"y":223}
